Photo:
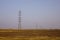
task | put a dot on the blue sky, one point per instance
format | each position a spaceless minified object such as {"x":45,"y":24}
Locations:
{"x":40,"y":13}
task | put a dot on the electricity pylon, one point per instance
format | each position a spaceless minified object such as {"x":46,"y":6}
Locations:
{"x":19,"y":24}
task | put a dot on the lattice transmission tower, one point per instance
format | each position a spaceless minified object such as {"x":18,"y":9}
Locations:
{"x":19,"y":21}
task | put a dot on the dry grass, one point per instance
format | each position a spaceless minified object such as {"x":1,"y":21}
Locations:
{"x":30,"y":38}
{"x":29,"y":35}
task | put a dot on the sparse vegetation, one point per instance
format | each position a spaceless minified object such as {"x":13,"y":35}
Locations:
{"x":30,"y":35}
{"x":30,"y":38}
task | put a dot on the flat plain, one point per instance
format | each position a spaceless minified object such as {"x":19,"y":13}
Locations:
{"x":10,"y":34}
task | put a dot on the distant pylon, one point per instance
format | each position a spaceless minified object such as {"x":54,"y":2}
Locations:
{"x":19,"y":24}
{"x":36,"y":26}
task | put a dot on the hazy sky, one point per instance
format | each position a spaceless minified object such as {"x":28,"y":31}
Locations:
{"x":40,"y":13}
